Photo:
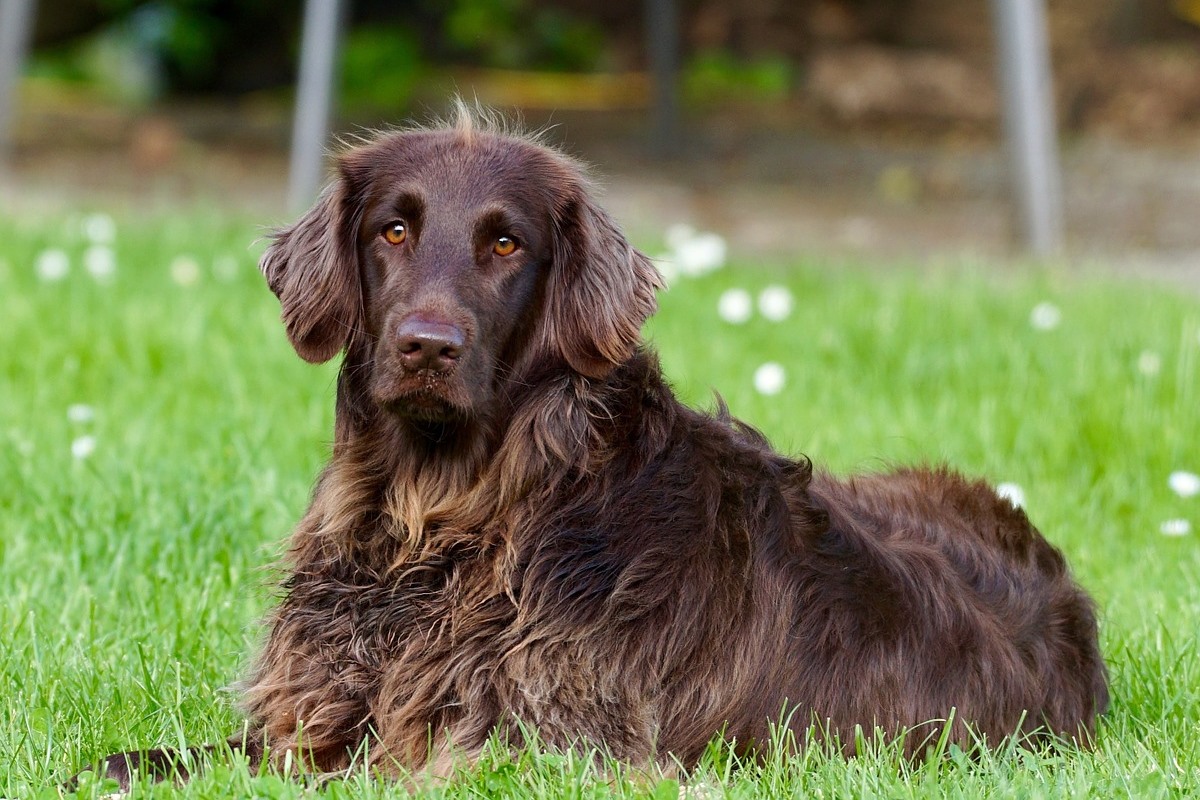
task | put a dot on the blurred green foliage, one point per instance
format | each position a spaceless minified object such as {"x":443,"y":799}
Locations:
{"x":191,"y":37}
{"x":380,"y":69}
{"x":144,"y":50}
{"x":717,"y":75}
{"x":512,"y":34}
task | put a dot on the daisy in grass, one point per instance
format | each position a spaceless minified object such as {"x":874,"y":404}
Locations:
{"x":1012,"y":492}
{"x":769,"y":379}
{"x":83,"y":447}
{"x":1184,"y":483}
{"x":52,"y":265}
{"x":100,"y":262}
{"x":665,"y":264}
{"x":775,"y":303}
{"x":695,"y":253}
{"x":1175,"y":527}
{"x":735,"y":306}
{"x":1149,"y":363}
{"x":99,"y":228}
{"x":185,"y":270}
{"x":1045,"y":317}
{"x":80,"y":413}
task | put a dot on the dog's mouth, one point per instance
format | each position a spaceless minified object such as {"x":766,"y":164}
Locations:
{"x":425,"y":406}
{"x":425,"y":396}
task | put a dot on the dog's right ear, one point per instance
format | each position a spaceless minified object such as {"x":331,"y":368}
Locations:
{"x":312,"y":267}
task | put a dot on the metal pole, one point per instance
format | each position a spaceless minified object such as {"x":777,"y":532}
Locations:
{"x":314,"y":100}
{"x":16,"y":20}
{"x":1029,"y":124}
{"x":662,"y":44}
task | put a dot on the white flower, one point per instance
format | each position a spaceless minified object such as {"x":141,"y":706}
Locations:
{"x":769,"y":378}
{"x":694,"y":253}
{"x":99,"y":228}
{"x":1012,"y":493}
{"x":735,"y":306}
{"x":1149,"y":363}
{"x":83,"y":447}
{"x":185,"y":270}
{"x":80,"y":413}
{"x":775,"y":303}
{"x":678,"y":234}
{"x":1176,"y":527}
{"x":52,"y":265}
{"x":1183,"y":483}
{"x":702,"y":253}
{"x":665,"y":264}
{"x":100,"y":262}
{"x":1045,"y":317}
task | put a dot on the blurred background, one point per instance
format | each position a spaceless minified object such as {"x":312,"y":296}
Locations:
{"x":870,"y":127}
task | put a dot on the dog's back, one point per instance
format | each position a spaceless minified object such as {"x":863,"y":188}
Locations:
{"x":927,"y":594}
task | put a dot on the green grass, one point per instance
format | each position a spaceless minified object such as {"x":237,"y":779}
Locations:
{"x":131,"y":580}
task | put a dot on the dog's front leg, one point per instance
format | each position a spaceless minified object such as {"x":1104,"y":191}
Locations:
{"x":170,"y":764}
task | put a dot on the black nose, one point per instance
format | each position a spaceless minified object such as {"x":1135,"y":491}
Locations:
{"x":425,"y":344}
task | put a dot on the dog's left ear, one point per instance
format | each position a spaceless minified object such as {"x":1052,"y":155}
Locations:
{"x":600,"y":291}
{"x":312,"y":267}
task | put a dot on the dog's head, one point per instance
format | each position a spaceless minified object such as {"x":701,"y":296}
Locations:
{"x":448,"y":261}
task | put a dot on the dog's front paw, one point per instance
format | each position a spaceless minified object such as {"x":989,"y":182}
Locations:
{"x":121,"y":768}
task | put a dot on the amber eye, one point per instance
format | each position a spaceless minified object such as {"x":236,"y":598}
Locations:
{"x":395,"y":232}
{"x":505,"y":246}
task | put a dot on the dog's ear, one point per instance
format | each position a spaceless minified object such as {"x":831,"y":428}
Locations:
{"x":312,"y":267}
{"x":600,"y":292}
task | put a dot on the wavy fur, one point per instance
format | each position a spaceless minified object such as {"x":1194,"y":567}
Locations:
{"x":540,"y":533}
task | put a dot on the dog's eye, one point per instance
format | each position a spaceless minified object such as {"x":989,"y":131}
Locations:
{"x":395,"y":232}
{"x":505,"y":246}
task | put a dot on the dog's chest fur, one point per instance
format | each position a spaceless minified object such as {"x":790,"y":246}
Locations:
{"x":464,"y":639}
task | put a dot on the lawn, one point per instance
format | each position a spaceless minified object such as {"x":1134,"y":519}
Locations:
{"x":158,"y":438}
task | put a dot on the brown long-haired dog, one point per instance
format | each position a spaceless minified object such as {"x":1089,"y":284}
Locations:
{"x":520,"y":522}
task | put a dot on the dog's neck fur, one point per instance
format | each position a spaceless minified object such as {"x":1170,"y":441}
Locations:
{"x":429,"y":487}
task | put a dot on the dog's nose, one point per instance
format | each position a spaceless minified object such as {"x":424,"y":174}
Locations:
{"x":424,"y":344}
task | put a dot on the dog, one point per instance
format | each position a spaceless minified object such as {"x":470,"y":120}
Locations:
{"x":522,"y":529}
